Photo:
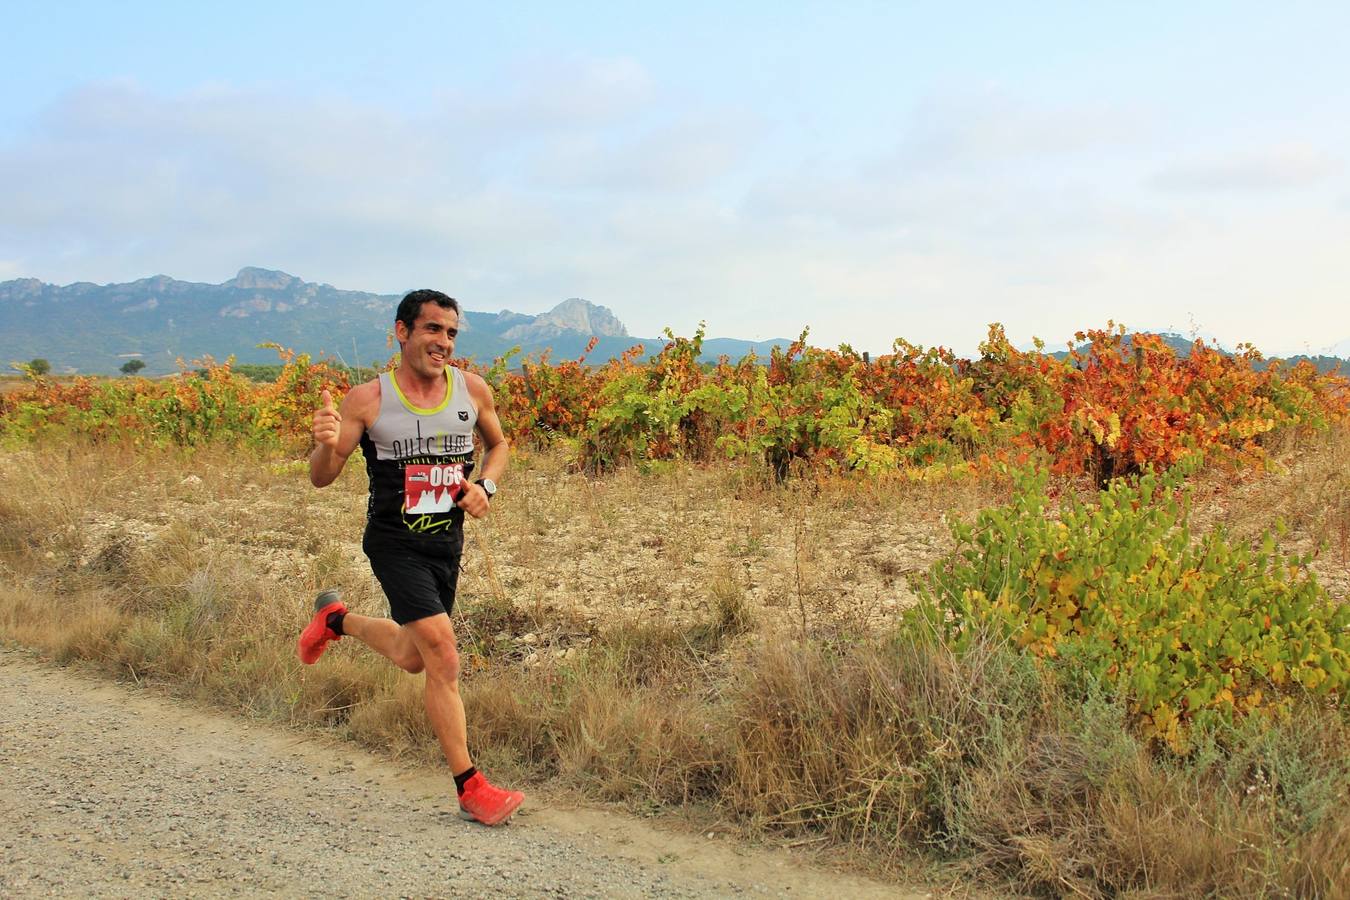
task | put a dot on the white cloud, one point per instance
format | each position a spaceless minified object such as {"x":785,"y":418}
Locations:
{"x":1274,"y":168}
{"x":581,"y":178}
{"x":989,"y":126}
{"x":135,"y":182}
{"x":682,"y":155}
{"x":550,"y":95}
{"x":980,"y":165}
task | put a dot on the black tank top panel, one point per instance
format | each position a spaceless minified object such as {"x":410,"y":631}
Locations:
{"x":417,"y":461}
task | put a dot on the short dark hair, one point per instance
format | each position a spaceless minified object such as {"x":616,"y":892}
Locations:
{"x":410,"y":307}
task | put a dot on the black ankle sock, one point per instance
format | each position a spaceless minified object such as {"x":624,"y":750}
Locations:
{"x":463,"y":777}
{"x":334,"y":621}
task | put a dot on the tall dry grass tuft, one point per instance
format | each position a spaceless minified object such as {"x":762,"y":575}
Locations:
{"x":626,"y":745}
{"x":981,"y":760}
{"x":863,"y":743}
{"x":1085,"y":808}
{"x":626,"y":720}
{"x":393,"y":718}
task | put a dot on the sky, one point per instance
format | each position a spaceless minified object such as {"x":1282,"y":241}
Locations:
{"x":871,"y":171}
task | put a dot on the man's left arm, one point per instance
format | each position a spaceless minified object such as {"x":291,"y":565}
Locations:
{"x":496,"y":449}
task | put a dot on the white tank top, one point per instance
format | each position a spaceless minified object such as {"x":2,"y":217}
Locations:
{"x":417,"y":461}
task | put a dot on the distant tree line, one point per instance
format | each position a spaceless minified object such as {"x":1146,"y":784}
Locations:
{"x":268,"y":372}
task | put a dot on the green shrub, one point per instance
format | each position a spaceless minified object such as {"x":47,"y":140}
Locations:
{"x":1192,"y":631}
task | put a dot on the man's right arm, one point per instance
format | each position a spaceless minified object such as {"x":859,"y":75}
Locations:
{"x":337,"y":433}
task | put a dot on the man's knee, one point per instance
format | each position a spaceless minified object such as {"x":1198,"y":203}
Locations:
{"x":438,"y":653}
{"x":442,"y":661}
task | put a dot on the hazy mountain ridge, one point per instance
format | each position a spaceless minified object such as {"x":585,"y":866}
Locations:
{"x":94,"y":328}
{"x":88,"y":327}
{"x":1182,"y":345}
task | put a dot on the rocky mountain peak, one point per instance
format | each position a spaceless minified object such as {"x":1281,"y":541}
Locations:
{"x":20,"y":288}
{"x":156,"y":283}
{"x":583,"y":316}
{"x":574,"y":316}
{"x":251,"y":278}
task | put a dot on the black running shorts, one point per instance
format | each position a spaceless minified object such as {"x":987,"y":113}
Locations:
{"x":418,"y":581}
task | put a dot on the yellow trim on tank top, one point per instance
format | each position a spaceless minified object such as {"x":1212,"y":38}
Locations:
{"x":417,"y":410}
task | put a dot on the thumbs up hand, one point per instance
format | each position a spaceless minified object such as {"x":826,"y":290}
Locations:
{"x":327,"y":422}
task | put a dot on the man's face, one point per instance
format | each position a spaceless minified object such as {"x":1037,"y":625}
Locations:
{"x":431,"y":342}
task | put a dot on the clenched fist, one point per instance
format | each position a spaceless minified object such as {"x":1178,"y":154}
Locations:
{"x":327,"y":422}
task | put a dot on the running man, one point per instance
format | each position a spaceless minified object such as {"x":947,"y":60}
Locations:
{"x":415,"y":428}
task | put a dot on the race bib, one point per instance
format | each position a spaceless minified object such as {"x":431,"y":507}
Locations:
{"x":432,"y":488}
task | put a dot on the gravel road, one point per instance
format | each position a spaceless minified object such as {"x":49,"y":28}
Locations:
{"x":114,"y":791}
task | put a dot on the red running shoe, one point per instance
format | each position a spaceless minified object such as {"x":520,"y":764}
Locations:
{"x":314,"y":639}
{"x":486,"y":803}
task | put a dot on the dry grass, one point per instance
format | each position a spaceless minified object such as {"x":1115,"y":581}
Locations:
{"x":1309,"y":493}
{"x":696,"y":638}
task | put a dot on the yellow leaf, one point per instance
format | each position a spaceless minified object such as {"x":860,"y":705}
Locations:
{"x":1113,"y":435}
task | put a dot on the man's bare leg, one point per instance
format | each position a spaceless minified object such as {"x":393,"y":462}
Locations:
{"x":387,"y":638}
{"x":424,"y":645}
{"x":429,"y":645}
{"x":434,"y":638}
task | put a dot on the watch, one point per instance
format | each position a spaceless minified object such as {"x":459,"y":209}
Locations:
{"x":489,"y":487}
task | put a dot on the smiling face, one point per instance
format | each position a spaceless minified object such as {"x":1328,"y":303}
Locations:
{"x":428,"y":346}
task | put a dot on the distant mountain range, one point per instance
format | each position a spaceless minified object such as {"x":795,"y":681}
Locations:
{"x":86,"y":327}
{"x":1182,"y":345}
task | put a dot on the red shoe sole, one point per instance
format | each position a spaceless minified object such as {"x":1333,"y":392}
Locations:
{"x":314,"y":639}
{"x":499,"y":818}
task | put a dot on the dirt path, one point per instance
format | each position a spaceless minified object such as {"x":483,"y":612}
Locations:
{"x":112,"y":791}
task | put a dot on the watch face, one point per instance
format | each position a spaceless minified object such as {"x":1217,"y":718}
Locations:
{"x":489,"y":486}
